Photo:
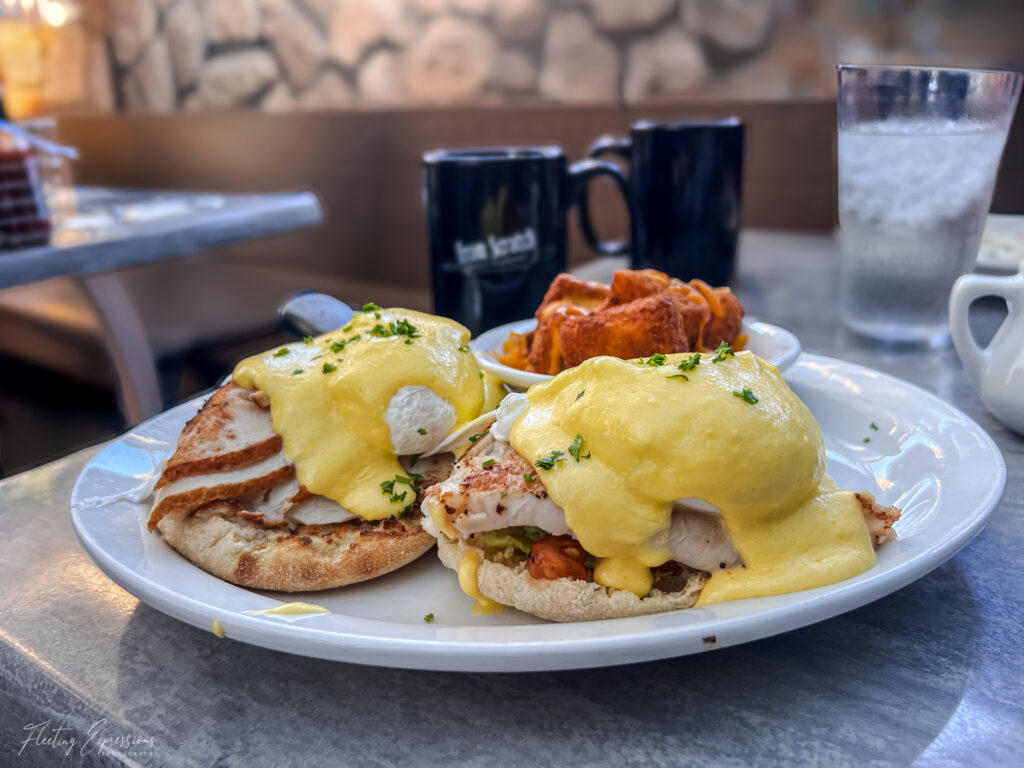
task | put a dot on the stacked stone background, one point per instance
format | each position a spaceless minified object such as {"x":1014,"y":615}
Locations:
{"x":161,"y":56}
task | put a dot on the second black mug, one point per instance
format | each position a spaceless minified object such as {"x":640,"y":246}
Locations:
{"x":685,"y":182}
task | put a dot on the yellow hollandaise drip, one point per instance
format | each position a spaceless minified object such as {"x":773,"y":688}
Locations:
{"x":469,"y":567}
{"x":730,"y":432}
{"x":329,"y":396}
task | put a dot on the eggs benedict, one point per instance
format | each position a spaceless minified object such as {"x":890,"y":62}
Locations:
{"x":305,"y":471}
{"x":621,"y":488}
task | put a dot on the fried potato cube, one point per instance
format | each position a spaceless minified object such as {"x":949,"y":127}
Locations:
{"x":726,"y":326}
{"x":567,"y":290}
{"x":637,"y":329}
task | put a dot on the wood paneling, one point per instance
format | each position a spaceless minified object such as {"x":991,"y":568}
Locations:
{"x":366,"y":167}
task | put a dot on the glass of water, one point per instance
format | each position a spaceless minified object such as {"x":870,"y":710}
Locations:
{"x":918,"y":153}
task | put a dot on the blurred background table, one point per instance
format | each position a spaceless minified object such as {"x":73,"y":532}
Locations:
{"x":932,"y":673}
{"x":98,"y":231}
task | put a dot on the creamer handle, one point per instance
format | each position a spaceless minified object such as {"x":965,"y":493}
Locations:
{"x":966,"y":291}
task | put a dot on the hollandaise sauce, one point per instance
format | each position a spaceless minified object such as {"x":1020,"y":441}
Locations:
{"x":616,"y":442}
{"x":329,"y":396}
{"x":297,"y":608}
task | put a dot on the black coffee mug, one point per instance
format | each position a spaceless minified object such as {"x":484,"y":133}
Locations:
{"x":497,"y":224}
{"x":685,"y":183}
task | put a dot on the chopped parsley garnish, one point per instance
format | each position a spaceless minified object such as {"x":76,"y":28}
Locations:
{"x":329,"y":368}
{"x":867,"y":440}
{"x":421,"y":431}
{"x":347,"y":328}
{"x":489,"y":463}
{"x":371,"y":307}
{"x":401,"y":328}
{"x":874,"y":426}
{"x":576,"y":448}
{"x":481,"y":374}
{"x":296,"y":372}
{"x":474,"y":438}
{"x":429,"y":618}
{"x":548,"y":462}
{"x":690,"y":363}
{"x":414,"y":458}
{"x":656,"y":359}
{"x":406,"y":510}
{"x":682,"y":376}
{"x":504,"y":494}
{"x":724,"y":350}
{"x":337,"y":346}
{"x":404,"y":480}
{"x":388,"y":489}
{"x":354,"y":339}
{"x":307,"y":340}
{"x":582,"y":392}
{"x":746,"y":395}
{"x":529,"y":478}
{"x":463,"y":347}
{"x":316,"y":357}
{"x":281,"y":352}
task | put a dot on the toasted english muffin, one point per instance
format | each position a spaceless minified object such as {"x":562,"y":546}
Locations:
{"x":218,"y":539}
{"x":506,"y":580}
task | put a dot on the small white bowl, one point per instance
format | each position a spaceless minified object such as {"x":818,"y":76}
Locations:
{"x":776,"y":345}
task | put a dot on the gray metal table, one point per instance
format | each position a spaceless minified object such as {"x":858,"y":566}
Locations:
{"x":98,"y":231}
{"x":933,"y":673}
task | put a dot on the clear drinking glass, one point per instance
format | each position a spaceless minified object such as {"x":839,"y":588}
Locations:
{"x":918,"y":153}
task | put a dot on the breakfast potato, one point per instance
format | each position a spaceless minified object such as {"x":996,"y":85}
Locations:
{"x":642,"y":312}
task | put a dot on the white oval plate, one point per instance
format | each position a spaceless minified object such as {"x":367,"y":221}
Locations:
{"x":926,"y":457}
{"x":776,"y":345}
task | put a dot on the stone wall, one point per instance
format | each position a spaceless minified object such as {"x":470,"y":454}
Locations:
{"x":285,"y":55}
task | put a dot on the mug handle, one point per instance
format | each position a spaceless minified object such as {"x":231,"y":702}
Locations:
{"x":966,"y":291}
{"x":581,"y":174}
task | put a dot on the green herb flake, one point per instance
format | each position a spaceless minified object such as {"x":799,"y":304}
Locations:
{"x":481,"y":374}
{"x":281,"y":352}
{"x":429,"y":618}
{"x":874,"y":426}
{"x":548,"y":462}
{"x":337,"y":346}
{"x":388,"y":489}
{"x":657,"y":359}
{"x":354,"y":339}
{"x":575,"y":450}
{"x":504,"y":494}
{"x":371,"y":307}
{"x":463,"y":347}
{"x":307,"y":340}
{"x":724,"y":350}
{"x":421,"y":431}
{"x":867,"y":440}
{"x":474,"y":438}
{"x":529,"y":478}
{"x":690,"y":363}
{"x":682,"y":376}
{"x":414,"y":458}
{"x":347,"y":328}
{"x":582,"y":392}
{"x":489,"y":463}
{"x":296,"y":372}
{"x":746,"y":395}
{"x":406,"y":510}
{"x":329,"y":368}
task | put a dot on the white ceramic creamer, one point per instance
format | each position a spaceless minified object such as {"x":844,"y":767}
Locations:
{"x":997,"y":370}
